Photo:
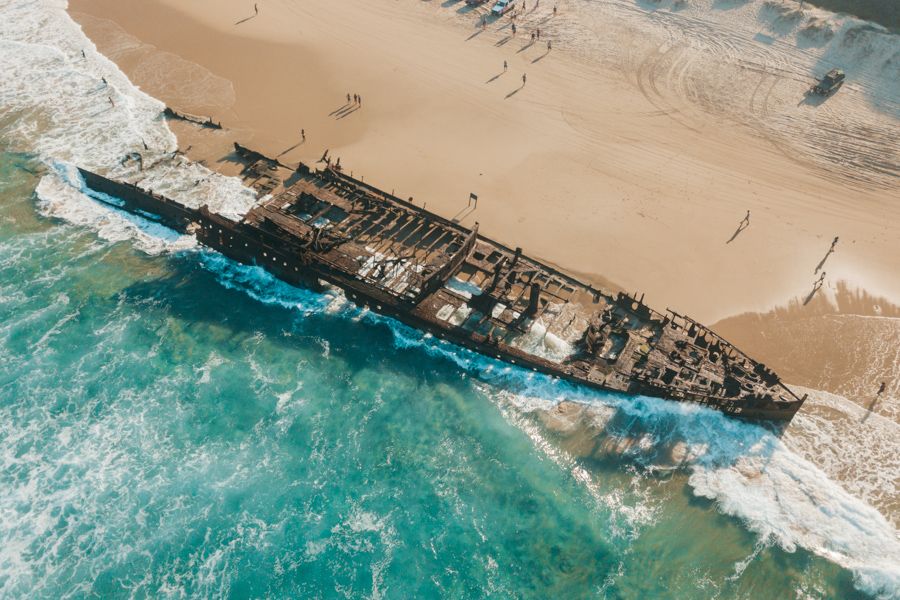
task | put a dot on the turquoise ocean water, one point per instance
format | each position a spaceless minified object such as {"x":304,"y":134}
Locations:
{"x":175,"y":425}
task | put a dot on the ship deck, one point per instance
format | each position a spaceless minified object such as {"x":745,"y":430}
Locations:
{"x":497,"y":299}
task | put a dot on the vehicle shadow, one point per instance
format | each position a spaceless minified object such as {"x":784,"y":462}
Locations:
{"x":810,"y":98}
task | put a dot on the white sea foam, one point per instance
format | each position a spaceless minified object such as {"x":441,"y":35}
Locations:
{"x":61,"y":113}
{"x":778,"y":493}
{"x":56,"y":106}
{"x":773,"y":485}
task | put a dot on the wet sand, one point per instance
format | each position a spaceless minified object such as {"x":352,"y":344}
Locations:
{"x":843,"y":340}
{"x":575,"y":166}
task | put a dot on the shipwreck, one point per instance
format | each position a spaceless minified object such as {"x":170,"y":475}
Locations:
{"x":438,"y":276}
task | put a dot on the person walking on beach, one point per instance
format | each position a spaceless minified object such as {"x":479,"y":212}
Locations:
{"x":255,"y":9}
{"x":744,"y":224}
{"x":504,"y":66}
{"x":538,"y":34}
{"x":554,"y":10}
{"x":348,"y":98}
{"x":549,"y":47}
{"x":532,"y":37}
{"x":359,"y":99}
{"x":514,"y":28}
{"x":524,"y":79}
{"x":303,"y":134}
{"x":83,"y":55}
{"x":103,"y":79}
{"x":111,"y":103}
{"x":881,"y":388}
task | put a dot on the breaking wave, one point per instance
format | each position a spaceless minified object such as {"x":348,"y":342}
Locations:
{"x":55,"y":105}
{"x":774,"y":485}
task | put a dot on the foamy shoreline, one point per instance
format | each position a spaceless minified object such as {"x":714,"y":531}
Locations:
{"x":710,"y":482}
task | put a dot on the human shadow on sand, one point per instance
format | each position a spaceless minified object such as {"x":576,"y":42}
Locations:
{"x":514,"y":92}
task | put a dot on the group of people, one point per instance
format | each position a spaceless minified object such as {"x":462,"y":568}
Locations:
{"x":356,"y":99}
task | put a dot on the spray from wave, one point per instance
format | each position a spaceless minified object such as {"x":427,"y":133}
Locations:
{"x":750,"y":473}
{"x":773,"y":485}
{"x":68,"y":104}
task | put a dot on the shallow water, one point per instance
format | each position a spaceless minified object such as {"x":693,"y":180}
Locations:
{"x":174,"y":424}
{"x":162,"y":433}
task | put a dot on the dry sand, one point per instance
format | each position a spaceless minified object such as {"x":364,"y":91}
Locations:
{"x":576,"y":166}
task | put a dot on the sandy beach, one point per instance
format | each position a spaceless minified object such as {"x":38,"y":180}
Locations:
{"x":579,"y":165}
{"x":174,"y":421}
{"x":576,"y":166}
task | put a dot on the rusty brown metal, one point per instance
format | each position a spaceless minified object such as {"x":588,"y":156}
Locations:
{"x":443,"y":278}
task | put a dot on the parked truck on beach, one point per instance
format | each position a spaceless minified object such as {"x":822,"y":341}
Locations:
{"x":502,"y":7}
{"x":829,"y":84}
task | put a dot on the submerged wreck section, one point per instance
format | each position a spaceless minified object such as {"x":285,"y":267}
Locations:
{"x":443,"y":278}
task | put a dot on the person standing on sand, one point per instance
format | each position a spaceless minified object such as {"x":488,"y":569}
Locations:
{"x":524,"y":79}
{"x":549,"y":47}
{"x":303,"y":134}
{"x":83,"y":55}
{"x":881,"y":389}
{"x":348,"y":98}
{"x":504,"y":66}
{"x":514,"y":28}
{"x":255,"y":9}
{"x":554,"y":10}
{"x":111,"y":103}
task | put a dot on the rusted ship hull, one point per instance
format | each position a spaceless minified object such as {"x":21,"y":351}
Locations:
{"x":439,"y":277}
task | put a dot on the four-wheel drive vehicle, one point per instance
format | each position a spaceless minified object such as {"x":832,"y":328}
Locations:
{"x":830,"y":83}
{"x":502,"y":7}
